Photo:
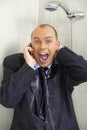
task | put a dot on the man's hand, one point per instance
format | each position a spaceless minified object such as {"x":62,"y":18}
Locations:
{"x":28,"y":55}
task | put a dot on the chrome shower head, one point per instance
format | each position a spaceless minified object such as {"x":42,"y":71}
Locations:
{"x":51,"y":6}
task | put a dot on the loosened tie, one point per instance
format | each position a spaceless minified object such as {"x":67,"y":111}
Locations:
{"x":42,"y":73}
{"x":44,"y":112}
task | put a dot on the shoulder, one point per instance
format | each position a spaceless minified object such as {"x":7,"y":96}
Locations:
{"x":14,"y":60}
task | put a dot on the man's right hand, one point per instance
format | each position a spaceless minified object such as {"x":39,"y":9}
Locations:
{"x":28,"y":56}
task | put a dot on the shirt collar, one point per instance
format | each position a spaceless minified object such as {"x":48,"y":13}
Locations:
{"x":37,"y":66}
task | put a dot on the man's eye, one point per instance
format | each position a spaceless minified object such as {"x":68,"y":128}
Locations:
{"x":48,"y":41}
{"x":37,"y":41}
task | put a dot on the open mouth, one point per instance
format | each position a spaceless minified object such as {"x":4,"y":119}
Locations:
{"x":43,"y":57}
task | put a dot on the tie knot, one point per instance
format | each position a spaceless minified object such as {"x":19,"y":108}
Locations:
{"x":43,"y":70}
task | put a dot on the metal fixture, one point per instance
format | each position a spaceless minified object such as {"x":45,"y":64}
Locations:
{"x":53,"y":5}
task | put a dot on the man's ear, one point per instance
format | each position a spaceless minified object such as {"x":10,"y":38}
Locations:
{"x":58,"y":45}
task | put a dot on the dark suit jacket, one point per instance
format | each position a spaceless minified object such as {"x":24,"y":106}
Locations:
{"x":19,"y":91}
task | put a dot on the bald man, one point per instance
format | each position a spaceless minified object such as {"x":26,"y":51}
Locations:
{"x":38,"y":83}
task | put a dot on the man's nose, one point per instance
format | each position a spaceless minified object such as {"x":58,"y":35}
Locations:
{"x":42,"y":45}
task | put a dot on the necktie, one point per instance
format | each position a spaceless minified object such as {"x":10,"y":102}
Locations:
{"x":43,"y":71}
{"x":44,"y":112}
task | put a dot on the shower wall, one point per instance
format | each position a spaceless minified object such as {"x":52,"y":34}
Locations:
{"x":72,"y":34}
{"x":17,"y":20}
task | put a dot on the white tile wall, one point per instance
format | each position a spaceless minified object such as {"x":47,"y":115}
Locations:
{"x":17,"y":20}
{"x":78,"y":36}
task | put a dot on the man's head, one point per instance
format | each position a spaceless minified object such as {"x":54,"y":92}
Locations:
{"x":45,"y":44}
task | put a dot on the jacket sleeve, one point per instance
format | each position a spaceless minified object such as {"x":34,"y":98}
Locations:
{"x":74,"y":67}
{"x":15,"y":82}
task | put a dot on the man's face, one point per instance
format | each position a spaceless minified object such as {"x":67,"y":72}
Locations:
{"x":45,"y":45}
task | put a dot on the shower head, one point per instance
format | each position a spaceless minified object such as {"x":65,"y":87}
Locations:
{"x":53,"y":5}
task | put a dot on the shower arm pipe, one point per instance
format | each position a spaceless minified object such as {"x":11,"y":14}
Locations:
{"x":64,"y":7}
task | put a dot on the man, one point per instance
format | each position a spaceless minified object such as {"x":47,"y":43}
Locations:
{"x":38,"y":83}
